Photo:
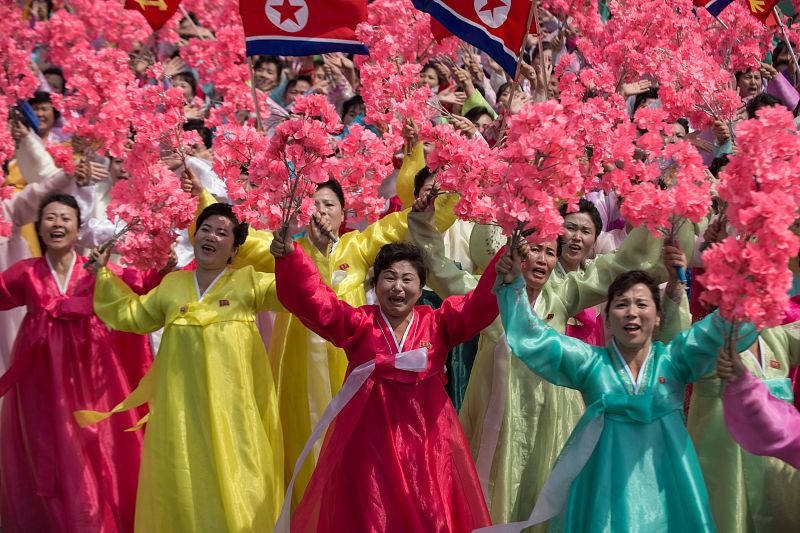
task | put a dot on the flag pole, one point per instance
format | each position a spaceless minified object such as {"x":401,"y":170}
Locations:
{"x":515,"y":82}
{"x":259,"y":123}
{"x":786,"y":38}
{"x":191,"y":21}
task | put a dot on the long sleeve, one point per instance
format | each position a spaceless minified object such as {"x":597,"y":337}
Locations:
{"x":412,"y":163}
{"x":579,"y":290}
{"x":557,"y":358}
{"x":255,"y":252}
{"x":463,"y":317}
{"x":302,"y":293}
{"x":122,"y":309}
{"x":694,"y":351}
{"x":34,"y":162}
{"x":266,"y":292}
{"x":23,"y":206}
{"x":476,"y":99}
{"x":13,"y":286}
{"x":676,"y":317}
{"x":761,"y":423}
{"x":444,"y":277}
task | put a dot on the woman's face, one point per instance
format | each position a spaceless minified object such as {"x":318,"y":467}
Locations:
{"x":214,"y":243}
{"x":539,"y":263}
{"x":749,"y":83}
{"x":266,"y":76}
{"x":188,"y":92}
{"x":398,"y":288}
{"x":633,"y":317}
{"x":329,"y":207}
{"x":429,"y":77}
{"x":578,"y":238}
{"x":45,"y":112}
{"x":354,"y":111}
{"x":678,"y":132}
{"x":58,"y":227}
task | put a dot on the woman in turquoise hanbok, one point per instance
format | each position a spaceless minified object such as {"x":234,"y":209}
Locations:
{"x":629,"y":465}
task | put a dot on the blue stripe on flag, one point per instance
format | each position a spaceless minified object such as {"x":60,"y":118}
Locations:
{"x":715,"y":7}
{"x":301,"y":46}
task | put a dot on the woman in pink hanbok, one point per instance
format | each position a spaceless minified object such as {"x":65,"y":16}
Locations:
{"x":56,"y":476}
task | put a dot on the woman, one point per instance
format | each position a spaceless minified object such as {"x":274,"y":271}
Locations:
{"x":213,"y":458}
{"x":55,"y":476}
{"x":581,"y":229}
{"x":629,"y":464}
{"x":395,"y":458}
{"x":766,"y":490}
{"x":763,"y":424}
{"x":517,"y":423}
{"x":308,"y":370}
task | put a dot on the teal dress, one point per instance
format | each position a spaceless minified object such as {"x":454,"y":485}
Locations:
{"x":629,"y":465}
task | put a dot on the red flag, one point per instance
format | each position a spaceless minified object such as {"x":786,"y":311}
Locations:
{"x":495,"y":26}
{"x":302,"y":27}
{"x":762,"y":10}
{"x":157,"y":12}
{"x":440,"y":33}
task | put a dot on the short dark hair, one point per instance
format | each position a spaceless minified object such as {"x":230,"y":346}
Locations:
{"x":718,"y":164}
{"x":56,"y":71}
{"x":53,"y":198}
{"x":199,"y":125}
{"x":585,"y":206}
{"x":224,"y":210}
{"x":43,"y":97}
{"x":351,"y":103}
{"x":334,"y":186}
{"x":760,"y":101}
{"x":400,"y":251}
{"x":189,"y":78}
{"x":420,"y":178}
{"x":505,"y":87}
{"x":625,"y":281}
{"x":293,"y":82}
{"x":475,"y":113}
{"x":264,"y":60}
{"x":641,"y":98}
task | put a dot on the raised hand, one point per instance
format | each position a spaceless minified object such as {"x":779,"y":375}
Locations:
{"x":282,"y":244}
{"x":191,"y":183}
{"x":729,"y":364}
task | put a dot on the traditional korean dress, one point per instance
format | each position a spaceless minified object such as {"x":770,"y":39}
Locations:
{"x":630,"y":464}
{"x":308,"y":370}
{"x":213,"y":458}
{"x":762,"y":423}
{"x":515,"y":421}
{"x":748,"y":493}
{"x":56,"y":476}
{"x":395,"y":458}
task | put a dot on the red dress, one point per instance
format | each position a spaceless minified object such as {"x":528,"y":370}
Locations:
{"x":56,"y":476}
{"x":395,"y":459}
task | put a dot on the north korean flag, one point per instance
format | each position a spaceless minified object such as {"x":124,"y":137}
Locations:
{"x":302,"y":27}
{"x":495,"y":26}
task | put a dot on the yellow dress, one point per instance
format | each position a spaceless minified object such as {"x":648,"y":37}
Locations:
{"x":213,"y":449}
{"x":308,"y":370}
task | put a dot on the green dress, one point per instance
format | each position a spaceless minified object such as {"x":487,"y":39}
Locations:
{"x":748,"y":493}
{"x":516,"y":423}
{"x":630,"y":464}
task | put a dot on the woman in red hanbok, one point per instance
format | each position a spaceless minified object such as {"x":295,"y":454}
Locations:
{"x":395,"y":459}
{"x":56,"y":476}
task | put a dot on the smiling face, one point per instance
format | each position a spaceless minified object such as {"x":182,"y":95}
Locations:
{"x":58,"y":227}
{"x":430,"y":77}
{"x":266,"y":76}
{"x":633,"y":316}
{"x":45,"y":112}
{"x":398,"y":288}
{"x":578,"y":238}
{"x":214,"y":243}
{"x":539,"y":264}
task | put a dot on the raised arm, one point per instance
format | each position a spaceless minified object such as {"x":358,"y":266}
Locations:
{"x":444,"y":277}
{"x":302,"y":292}
{"x":462,"y":317}
{"x":22,"y":206}
{"x":761,"y":423}
{"x":13,"y":286}
{"x":557,"y":358}
{"x":124,"y":310}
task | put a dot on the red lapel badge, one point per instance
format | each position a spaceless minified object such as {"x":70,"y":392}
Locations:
{"x":425,"y":344}
{"x":774,"y":364}
{"x":344,"y":266}
{"x":661,"y":379}
{"x":224,"y":303}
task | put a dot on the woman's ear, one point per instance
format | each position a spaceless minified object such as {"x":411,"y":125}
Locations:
{"x":233,"y":254}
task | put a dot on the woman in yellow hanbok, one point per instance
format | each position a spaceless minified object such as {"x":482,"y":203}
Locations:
{"x":308,"y":370}
{"x":213,"y":450}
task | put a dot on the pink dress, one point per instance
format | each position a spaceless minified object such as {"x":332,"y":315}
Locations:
{"x":56,"y":476}
{"x":395,"y":459}
{"x":761,"y":423}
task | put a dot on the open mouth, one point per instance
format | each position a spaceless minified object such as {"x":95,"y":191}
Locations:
{"x":57,"y":235}
{"x":632,"y":328}
{"x":538,"y":272}
{"x":397,"y":300}
{"x":575,"y":248}
{"x":207,"y":248}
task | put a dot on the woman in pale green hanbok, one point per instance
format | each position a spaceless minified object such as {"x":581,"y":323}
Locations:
{"x":749,"y":493}
{"x":515,"y":422}
{"x":629,"y":465}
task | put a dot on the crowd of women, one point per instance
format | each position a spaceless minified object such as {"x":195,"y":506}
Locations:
{"x":419,"y":373}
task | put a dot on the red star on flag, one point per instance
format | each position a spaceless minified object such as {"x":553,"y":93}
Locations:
{"x":491,"y":5}
{"x":287,"y":11}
